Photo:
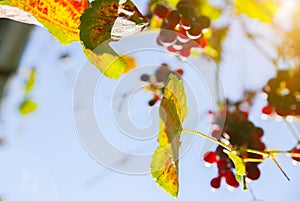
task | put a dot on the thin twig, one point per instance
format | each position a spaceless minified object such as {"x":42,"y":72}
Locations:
{"x":292,"y":130}
{"x":208,"y":138}
{"x":277,"y":164}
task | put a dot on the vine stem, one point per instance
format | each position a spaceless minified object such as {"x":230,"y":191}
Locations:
{"x":208,"y":138}
{"x":264,"y":154}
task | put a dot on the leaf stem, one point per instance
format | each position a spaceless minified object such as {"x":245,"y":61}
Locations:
{"x":208,"y":138}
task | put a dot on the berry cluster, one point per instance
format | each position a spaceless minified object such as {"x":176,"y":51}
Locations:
{"x":283,"y":94}
{"x":296,"y":150}
{"x":182,"y":29}
{"x":158,"y":81}
{"x":240,"y":133}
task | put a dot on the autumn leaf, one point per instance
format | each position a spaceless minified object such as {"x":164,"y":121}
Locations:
{"x":173,"y":111}
{"x":263,"y":10}
{"x":107,"y":61}
{"x":109,"y":19}
{"x":60,"y":17}
{"x":30,"y":82}
{"x":27,"y":107}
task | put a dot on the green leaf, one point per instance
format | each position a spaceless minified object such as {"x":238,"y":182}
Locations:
{"x":240,"y":168}
{"x":173,"y":111}
{"x":30,"y":82}
{"x":27,"y":107}
{"x":60,"y":17}
{"x":98,"y":21}
{"x":263,"y":10}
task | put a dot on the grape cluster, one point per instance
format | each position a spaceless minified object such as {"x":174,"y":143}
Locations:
{"x":283,"y":94}
{"x":158,"y":81}
{"x":182,"y":29}
{"x":239,"y":133}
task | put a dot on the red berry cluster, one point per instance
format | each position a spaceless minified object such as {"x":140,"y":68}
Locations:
{"x":158,"y":81}
{"x":182,"y":28}
{"x":296,"y":150}
{"x":239,"y":133}
{"x":283,"y":94}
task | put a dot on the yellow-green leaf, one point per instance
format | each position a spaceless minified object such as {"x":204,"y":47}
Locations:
{"x":27,"y":106}
{"x":109,"y":63}
{"x":240,"y":167}
{"x":173,"y":110}
{"x":30,"y":82}
{"x":263,"y":10}
{"x":60,"y":17}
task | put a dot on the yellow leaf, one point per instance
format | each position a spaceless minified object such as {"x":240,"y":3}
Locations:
{"x":30,"y":81}
{"x":60,"y":17}
{"x":240,"y":168}
{"x":173,"y":110}
{"x":27,"y":106}
{"x":263,"y":10}
{"x":111,"y":65}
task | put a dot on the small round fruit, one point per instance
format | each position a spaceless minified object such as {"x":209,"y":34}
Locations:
{"x":195,"y":31}
{"x":173,"y":18}
{"x":204,"y":21}
{"x":210,"y":157}
{"x":145,"y":77}
{"x":216,"y":182}
{"x":161,"y":11}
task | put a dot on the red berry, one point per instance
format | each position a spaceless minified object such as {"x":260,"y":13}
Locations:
{"x":195,"y":31}
{"x":253,"y":172}
{"x":185,"y":51}
{"x":186,"y":23}
{"x":167,"y":37}
{"x":203,"y":21}
{"x":180,"y":71}
{"x":296,"y":150}
{"x":171,"y":49}
{"x":216,"y":182}
{"x":231,"y":180}
{"x":268,"y":109}
{"x":161,"y":11}
{"x":210,"y":157}
{"x":173,"y":18}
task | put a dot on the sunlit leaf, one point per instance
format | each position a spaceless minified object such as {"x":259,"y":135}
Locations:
{"x":107,"y":61}
{"x":173,"y":110}
{"x":262,"y":10}
{"x":60,"y":17}
{"x":240,"y":168}
{"x":30,"y":82}
{"x":109,"y":19}
{"x":27,"y":106}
